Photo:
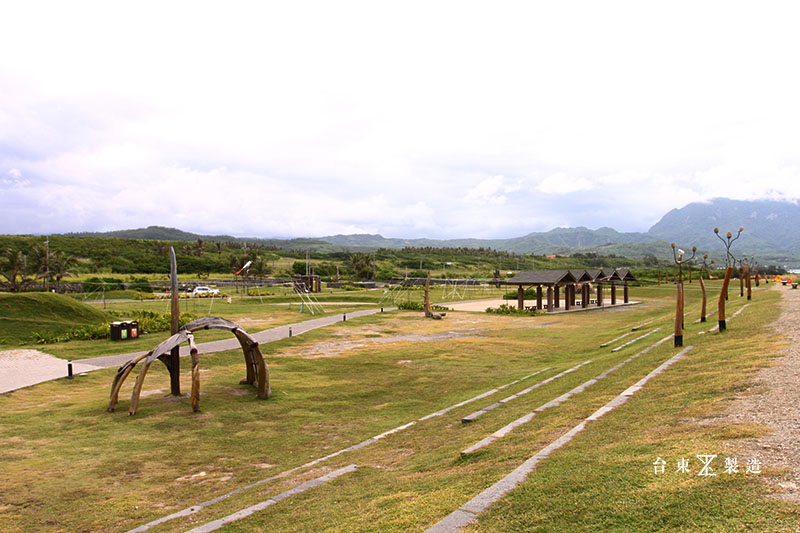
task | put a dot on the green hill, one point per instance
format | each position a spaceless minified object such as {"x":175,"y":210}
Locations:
{"x":23,"y":314}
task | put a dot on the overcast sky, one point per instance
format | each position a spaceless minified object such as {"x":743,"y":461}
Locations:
{"x":409,"y":119}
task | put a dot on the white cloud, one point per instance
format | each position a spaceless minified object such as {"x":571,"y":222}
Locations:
{"x":306,"y":120}
{"x":560,"y":183}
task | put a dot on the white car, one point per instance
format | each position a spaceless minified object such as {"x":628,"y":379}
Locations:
{"x":204,"y":290}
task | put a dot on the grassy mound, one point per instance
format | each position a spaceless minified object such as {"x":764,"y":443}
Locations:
{"x":23,"y":314}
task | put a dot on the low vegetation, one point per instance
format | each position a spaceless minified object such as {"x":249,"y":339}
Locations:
{"x":69,"y":465}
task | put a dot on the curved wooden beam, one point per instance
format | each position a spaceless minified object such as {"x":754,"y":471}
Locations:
{"x":137,"y":388}
{"x":119,"y":379}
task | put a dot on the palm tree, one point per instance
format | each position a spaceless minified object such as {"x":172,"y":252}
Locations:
{"x":14,"y":268}
{"x":61,"y":265}
{"x":362,"y":265}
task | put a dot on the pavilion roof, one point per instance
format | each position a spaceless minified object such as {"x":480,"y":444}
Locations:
{"x":581,"y":275}
{"x":542,"y":277}
{"x":625,"y":274}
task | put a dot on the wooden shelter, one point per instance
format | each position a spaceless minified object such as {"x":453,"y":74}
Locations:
{"x":584,"y":280}
{"x":552,"y":279}
{"x":625,"y":276}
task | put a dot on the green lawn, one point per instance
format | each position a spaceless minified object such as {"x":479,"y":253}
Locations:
{"x":69,"y":465}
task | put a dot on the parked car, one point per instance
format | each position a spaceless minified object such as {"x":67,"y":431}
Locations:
{"x":204,"y":290}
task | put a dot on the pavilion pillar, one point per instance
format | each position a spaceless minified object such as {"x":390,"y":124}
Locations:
{"x":556,"y":296}
{"x":585,"y":294}
{"x":539,"y":297}
{"x":572,"y":295}
{"x":599,"y":294}
{"x":625,"y":293}
{"x":613,"y":293}
{"x":549,"y":299}
{"x":567,"y":296}
{"x":520,"y":298}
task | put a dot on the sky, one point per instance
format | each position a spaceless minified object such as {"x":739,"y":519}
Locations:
{"x":408,"y":119}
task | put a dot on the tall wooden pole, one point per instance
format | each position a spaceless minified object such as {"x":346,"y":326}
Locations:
{"x":703,"y":306}
{"x":747,"y":282}
{"x":741,"y":281}
{"x":175,"y":318}
{"x":679,"y":316}
{"x":723,"y":295}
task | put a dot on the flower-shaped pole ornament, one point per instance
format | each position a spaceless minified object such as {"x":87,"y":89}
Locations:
{"x":755,"y":270}
{"x":730,"y":261}
{"x":680,"y":259}
{"x":740,"y":270}
{"x":748,"y":283}
{"x":707,"y":267}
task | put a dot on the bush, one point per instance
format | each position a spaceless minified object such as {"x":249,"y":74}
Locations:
{"x":410,"y":306}
{"x":510,"y":310}
{"x":149,"y":322}
{"x":99,"y":284}
{"x":139,"y":284}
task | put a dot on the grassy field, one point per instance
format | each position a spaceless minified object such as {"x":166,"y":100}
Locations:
{"x":69,"y":465}
{"x":22,"y":314}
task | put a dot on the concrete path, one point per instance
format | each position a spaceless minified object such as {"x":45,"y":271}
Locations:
{"x":29,"y":371}
{"x":23,"y":368}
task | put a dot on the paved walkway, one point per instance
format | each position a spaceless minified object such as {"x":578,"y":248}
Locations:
{"x":57,"y":368}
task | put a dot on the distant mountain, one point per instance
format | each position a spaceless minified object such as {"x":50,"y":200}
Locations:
{"x":771,"y":228}
{"x":771,"y":232}
{"x":153,"y":233}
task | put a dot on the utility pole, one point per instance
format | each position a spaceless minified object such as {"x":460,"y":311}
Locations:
{"x":47,"y":264}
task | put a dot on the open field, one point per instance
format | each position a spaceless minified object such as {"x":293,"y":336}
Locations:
{"x":69,"y":465}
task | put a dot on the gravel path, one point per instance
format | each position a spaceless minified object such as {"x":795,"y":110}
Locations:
{"x":779,"y":405}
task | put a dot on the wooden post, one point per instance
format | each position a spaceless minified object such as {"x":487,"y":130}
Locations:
{"x":599,"y":294}
{"x":613,"y":293}
{"x":703,"y":305}
{"x":585,"y":294}
{"x":659,"y":278}
{"x":567,"y":296}
{"x":539,"y":297}
{"x":556,"y":297}
{"x":741,"y":281}
{"x":175,"y":320}
{"x":625,"y":297}
{"x":549,"y":299}
{"x":520,"y":298}
{"x":679,"y":316}
{"x":747,"y":282}
{"x":723,"y":295}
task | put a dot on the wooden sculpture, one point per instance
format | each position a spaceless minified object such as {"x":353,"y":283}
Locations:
{"x":730,"y":260}
{"x":678,"y":254}
{"x":257,"y":372}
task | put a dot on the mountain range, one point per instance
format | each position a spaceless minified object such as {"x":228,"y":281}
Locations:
{"x":771,"y":232}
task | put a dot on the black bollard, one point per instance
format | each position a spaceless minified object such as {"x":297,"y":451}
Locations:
{"x":69,"y":370}
{"x":344,"y":317}
{"x":290,"y":332}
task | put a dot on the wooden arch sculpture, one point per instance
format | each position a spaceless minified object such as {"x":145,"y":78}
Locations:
{"x":257,"y":372}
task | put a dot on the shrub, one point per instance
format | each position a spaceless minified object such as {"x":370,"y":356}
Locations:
{"x":410,"y":306}
{"x":505,"y":309}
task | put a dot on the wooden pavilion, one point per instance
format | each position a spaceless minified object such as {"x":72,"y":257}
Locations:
{"x":552,"y":279}
{"x":571,"y":280}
